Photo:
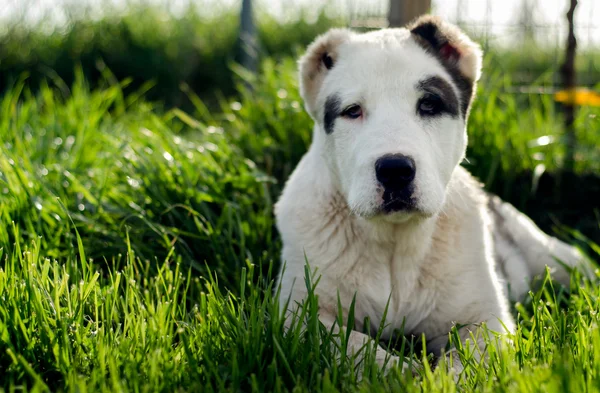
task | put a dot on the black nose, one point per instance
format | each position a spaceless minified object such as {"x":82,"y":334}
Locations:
{"x":395,"y":172}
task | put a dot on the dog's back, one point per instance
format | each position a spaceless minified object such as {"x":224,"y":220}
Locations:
{"x":523,"y":251}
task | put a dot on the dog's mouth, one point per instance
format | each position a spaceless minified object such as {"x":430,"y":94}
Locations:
{"x":398,"y":200}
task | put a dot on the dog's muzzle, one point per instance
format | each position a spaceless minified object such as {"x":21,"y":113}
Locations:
{"x":396,"y":174}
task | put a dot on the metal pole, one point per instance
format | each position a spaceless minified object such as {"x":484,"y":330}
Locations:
{"x":568,"y":74}
{"x":247,"y":41}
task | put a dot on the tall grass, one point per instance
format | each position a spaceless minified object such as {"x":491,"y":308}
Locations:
{"x":66,"y":325}
{"x":113,"y":165}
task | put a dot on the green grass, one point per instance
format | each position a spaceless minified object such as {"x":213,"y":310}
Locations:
{"x":137,"y":246}
{"x":68,"y":326}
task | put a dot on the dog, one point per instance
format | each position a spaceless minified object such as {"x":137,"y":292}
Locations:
{"x":380,"y":207}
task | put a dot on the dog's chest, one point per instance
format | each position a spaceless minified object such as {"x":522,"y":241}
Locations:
{"x":387,"y":283}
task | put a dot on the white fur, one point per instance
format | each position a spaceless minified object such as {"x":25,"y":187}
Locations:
{"x":436,"y":265}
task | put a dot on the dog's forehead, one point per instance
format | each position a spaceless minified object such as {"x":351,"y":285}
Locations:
{"x":388,"y":56}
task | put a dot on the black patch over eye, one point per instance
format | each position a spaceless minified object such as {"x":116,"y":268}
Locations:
{"x":327,"y":60}
{"x":352,"y":112}
{"x":332,"y":111}
{"x":430,"y":105}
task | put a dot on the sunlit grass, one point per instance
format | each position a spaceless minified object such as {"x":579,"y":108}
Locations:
{"x":78,"y":326}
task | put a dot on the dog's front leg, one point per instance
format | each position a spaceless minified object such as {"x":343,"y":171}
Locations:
{"x":331,"y":295}
{"x":357,"y":344}
{"x":354,"y":342}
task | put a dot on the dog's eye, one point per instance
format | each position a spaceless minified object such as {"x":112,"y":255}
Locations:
{"x":352,"y":112}
{"x":430,"y":105}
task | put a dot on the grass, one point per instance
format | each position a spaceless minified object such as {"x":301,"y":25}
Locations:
{"x":68,"y":326}
{"x":137,"y":246}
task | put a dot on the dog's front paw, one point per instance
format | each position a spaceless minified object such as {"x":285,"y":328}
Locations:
{"x":390,"y":362}
{"x":383,"y":359}
{"x":451,"y":364}
{"x":455,"y":370}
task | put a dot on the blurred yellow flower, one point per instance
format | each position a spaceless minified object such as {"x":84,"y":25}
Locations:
{"x":578,"y":96}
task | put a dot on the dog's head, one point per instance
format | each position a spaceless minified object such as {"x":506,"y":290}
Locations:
{"x":391,"y":108}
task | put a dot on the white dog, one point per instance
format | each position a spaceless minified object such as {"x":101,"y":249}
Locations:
{"x":380,"y":206}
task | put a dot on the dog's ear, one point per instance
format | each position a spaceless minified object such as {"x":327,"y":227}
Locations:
{"x":458,"y":53}
{"x":448,"y":43}
{"x":320,"y":57}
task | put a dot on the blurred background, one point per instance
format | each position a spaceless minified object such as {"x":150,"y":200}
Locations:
{"x":96,"y":96}
{"x":194,"y":41}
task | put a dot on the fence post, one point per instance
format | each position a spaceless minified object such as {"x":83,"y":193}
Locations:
{"x":247,"y":54}
{"x":403,"y":11}
{"x":568,"y":76}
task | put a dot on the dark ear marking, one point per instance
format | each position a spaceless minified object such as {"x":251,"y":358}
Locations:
{"x":327,"y":61}
{"x":332,"y":111}
{"x":428,"y":32}
{"x":431,"y":34}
